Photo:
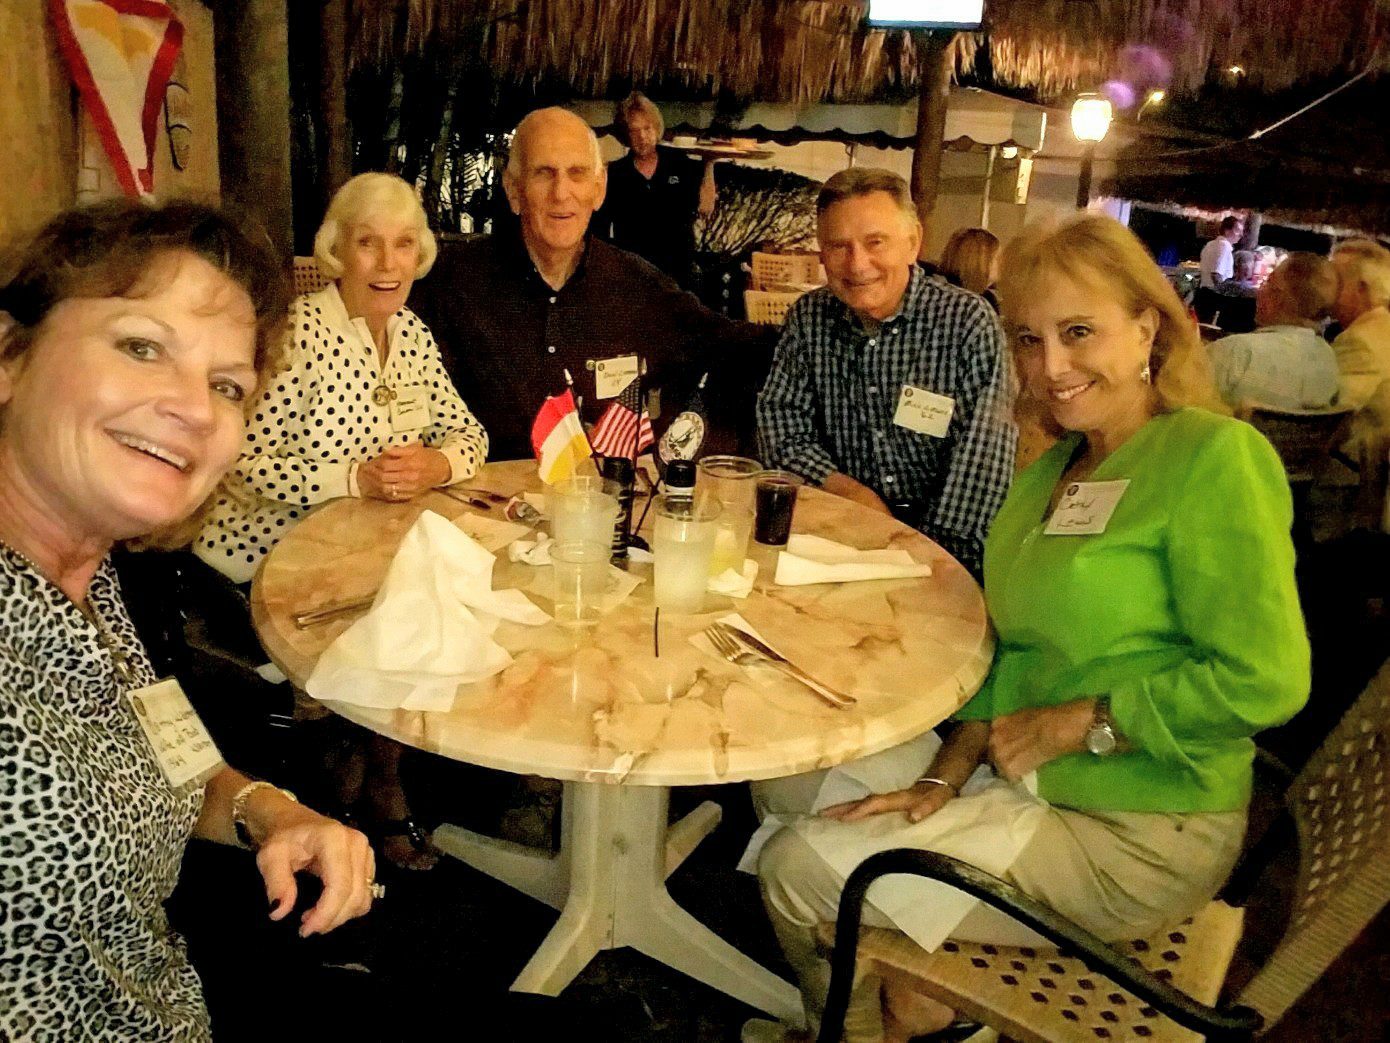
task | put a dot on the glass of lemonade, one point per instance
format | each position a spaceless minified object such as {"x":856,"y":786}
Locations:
{"x":584,"y":510}
{"x":731,"y":481}
{"x":683,"y":543}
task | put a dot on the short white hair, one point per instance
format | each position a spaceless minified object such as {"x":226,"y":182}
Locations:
{"x":528,"y":126}
{"x":367,"y":196}
{"x":1366,"y":261}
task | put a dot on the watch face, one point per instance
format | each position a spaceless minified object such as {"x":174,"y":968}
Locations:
{"x":1100,"y":740}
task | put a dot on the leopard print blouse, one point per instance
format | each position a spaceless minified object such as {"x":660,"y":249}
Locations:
{"x":91,"y":834}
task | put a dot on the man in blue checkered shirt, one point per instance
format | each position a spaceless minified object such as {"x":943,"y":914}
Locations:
{"x":890,"y":387}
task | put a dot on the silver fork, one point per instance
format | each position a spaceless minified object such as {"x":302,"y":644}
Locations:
{"x":740,"y":655}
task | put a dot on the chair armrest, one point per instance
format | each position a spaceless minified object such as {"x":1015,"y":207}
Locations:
{"x":1234,"y":1022}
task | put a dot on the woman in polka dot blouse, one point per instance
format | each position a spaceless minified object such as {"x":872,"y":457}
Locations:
{"x":361,"y":405}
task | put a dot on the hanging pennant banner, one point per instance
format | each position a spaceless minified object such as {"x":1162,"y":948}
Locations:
{"x":120,"y":54}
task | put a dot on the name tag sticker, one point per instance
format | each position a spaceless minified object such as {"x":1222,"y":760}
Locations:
{"x":1085,"y":508}
{"x":183,"y":746}
{"x":410,"y":409}
{"x":924,"y":411}
{"x":612,"y":375}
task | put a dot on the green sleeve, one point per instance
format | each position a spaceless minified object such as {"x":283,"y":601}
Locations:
{"x":1230,"y":561}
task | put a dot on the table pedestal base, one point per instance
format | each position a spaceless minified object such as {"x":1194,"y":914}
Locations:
{"x":609,"y":883}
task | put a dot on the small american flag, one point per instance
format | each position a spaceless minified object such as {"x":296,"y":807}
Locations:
{"x":619,"y":431}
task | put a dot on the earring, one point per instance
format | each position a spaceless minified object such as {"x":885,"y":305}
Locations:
{"x":1146,"y":375}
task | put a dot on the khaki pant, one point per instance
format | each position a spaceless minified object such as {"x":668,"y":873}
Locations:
{"x":1120,"y":875}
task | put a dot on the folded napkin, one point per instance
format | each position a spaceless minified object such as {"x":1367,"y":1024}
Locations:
{"x":811,"y":559}
{"x":532,"y":552}
{"x":735,"y":584}
{"x":492,"y":534}
{"x":429,"y":630}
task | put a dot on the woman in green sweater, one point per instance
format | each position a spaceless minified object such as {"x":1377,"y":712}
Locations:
{"x":1140,"y":579}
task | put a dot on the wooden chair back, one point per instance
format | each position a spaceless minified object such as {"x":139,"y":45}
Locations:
{"x":785,"y":269}
{"x":307,"y":277}
{"x":1341,"y":805}
{"x":768,"y":307}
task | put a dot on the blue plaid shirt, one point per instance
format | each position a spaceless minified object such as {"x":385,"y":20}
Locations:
{"x":829,"y":402}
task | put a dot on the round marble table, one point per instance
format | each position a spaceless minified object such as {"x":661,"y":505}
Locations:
{"x":620,"y":724}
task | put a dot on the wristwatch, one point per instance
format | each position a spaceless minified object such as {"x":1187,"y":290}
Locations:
{"x":1101,"y":739}
{"x":243,"y":834}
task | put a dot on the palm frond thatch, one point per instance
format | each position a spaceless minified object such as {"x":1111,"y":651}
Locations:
{"x":819,"y":50}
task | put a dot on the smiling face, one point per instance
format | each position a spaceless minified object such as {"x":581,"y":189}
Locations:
{"x":124,"y":413}
{"x":1082,"y":353}
{"x":557,"y":184}
{"x":868,"y":246}
{"x":380,"y":254}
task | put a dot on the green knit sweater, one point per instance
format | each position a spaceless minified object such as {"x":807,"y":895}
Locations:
{"x":1183,"y":611}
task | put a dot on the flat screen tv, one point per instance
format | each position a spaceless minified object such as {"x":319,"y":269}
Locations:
{"x":927,"y":14}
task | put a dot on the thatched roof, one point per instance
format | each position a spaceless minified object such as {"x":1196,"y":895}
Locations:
{"x":814,"y":50}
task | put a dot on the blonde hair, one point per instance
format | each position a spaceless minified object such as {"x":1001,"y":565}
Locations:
{"x":635,"y":103}
{"x":367,"y":196}
{"x":1368,"y":262}
{"x":1098,"y":252}
{"x":970,"y":257}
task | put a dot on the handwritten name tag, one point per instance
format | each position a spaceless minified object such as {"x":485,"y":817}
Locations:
{"x":1085,"y":508}
{"x":924,"y":411}
{"x":183,"y":746}
{"x":612,"y":375}
{"x":410,"y":409}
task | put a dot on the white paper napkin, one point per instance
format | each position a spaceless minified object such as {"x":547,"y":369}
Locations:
{"x":735,"y":583}
{"x":429,"y":630}
{"x":812,"y":559}
{"x":532,"y":552}
{"x":492,"y":534}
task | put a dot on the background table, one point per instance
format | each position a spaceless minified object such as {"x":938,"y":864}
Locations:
{"x":621,"y":725}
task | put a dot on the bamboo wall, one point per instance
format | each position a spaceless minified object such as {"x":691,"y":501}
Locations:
{"x":51,"y":156}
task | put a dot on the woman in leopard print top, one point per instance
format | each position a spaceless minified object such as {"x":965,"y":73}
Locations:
{"x":128,"y":342}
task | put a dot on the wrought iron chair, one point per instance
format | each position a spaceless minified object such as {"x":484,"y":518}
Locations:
{"x":1164,"y":987}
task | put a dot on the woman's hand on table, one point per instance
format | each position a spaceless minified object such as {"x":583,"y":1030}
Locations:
{"x":843,"y":485}
{"x":916,"y":802}
{"x":1024,"y":741}
{"x":403,"y":472}
{"x":300,"y":839}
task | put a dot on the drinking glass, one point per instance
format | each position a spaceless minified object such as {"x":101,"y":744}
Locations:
{"x":584,"y":510}
{"x":775,"y":500}
{"x":581,"y":582}
{"x":729,"y":479}
{"x":683,"y":542}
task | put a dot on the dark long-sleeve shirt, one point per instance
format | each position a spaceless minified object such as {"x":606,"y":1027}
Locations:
{"x":654,"y":217}
{"x":507,"y":337}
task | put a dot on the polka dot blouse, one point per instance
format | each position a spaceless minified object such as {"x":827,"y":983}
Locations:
{"x":317,"y":420}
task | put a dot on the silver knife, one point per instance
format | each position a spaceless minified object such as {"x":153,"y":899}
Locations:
{"x":772,"y":655}
{"x":304,"y":620}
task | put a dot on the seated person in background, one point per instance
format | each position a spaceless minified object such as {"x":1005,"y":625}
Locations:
{"x":1218,"y":256}
{"x":1134,"y":663}
{"x":1242,"y":282}
{"x":1284,"y":363}
{"x":856,"y":357}
{"x":654,"y":193}
{"x":361,"y":406}
{"x":130,"y":338}
{"x":971,"y":259}
{"x":1363,"y":362}
{"x":516,"y":309}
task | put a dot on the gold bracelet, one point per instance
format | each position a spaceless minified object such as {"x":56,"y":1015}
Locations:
{"x":932,"y":780}
{"x":239,"y":799}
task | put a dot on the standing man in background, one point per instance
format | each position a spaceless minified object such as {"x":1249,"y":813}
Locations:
{"x":1218,"y":256}
{"x":654,"y":193}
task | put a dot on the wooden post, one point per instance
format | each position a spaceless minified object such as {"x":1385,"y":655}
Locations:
{"x":1083,"y":185}
{"x":989,"y":185}
{"x":934,"y":60}
{"x":253,"y":113}
{"x":337,"y":142}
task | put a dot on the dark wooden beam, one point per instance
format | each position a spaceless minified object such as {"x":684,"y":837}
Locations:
{"x":337,"y":139}
{"x":253,"y":112}
{"x":934,"y":59}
